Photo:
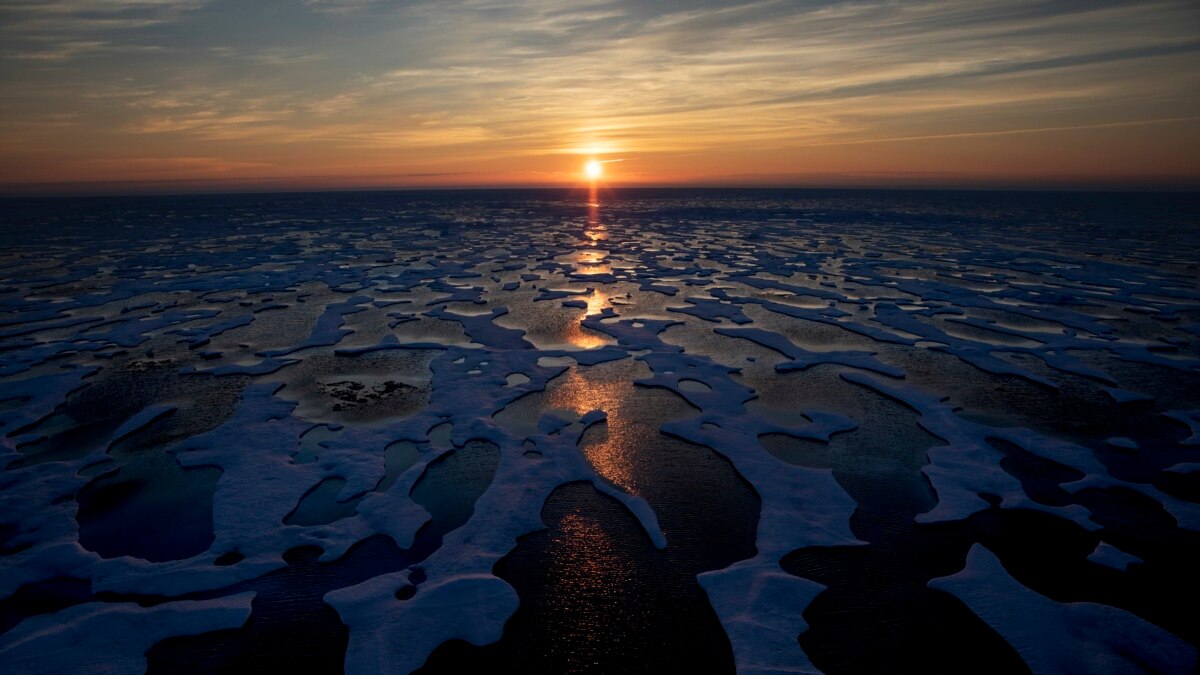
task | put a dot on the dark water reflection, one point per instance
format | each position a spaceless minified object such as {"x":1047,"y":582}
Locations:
{"x":596,"y":597}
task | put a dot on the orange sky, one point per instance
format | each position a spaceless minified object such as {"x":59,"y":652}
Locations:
{"x":179,"y":95}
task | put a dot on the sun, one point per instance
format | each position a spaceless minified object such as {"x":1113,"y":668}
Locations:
{"x":593,"y":169}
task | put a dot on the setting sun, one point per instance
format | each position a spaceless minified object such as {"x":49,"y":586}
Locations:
{"x":593,"y":169}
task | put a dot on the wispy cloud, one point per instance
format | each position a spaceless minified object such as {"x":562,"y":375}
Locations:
{"x":446,"y":87}
{"x":72,"y":16}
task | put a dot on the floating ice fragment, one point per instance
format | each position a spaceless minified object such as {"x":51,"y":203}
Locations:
{"x":1068,"y":638}
{"x":1122,"y":442}
{"x":112,"y":637}
{"x":1191,"y":418}
{"x":1111,"y":556}
{"x":1123,"y":396}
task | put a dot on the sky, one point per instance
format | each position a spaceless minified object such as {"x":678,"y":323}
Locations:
{"x":203,"y":95}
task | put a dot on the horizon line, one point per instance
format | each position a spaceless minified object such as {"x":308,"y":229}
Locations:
{"x":67,"y":191}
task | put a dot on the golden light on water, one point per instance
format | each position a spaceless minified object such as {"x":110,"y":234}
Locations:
{"x":584,"y":338}
{"x":596,"y":302}
{"x":611,"y":450}
{"x":591,"y":262}
{"x":580,"y":337}
{"x":593,"y":206}
{"x":586,"y":574}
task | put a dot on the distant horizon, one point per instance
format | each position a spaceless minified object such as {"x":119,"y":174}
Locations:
{"x":72,"y":191}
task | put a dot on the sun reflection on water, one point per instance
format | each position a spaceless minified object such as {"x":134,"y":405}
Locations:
{"x":585,"y":338}
{"x":596,"y":231}
{"x":611,"y":448}
{"x":592,"y":261}
{"x":587,"y":575}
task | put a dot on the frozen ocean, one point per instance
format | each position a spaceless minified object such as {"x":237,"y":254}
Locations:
{"x":625,"y":431}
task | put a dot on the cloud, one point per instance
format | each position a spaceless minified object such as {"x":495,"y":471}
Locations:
{"x":341,"y":6}
{"x":74,"y":16}
{"x":63,"y":30}
{"x":167,"y":166}
{"x":438,"y":87}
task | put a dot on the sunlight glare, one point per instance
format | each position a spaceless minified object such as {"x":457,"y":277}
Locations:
{"x":593,"y":169}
